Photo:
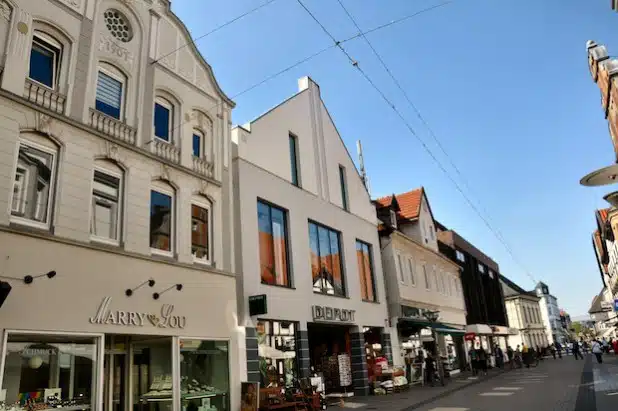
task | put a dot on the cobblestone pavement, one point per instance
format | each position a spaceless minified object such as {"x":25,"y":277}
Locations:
{"x":555,"y":385}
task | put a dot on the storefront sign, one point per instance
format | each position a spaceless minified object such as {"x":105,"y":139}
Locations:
{"x":165,"y":319}
{"x":469,"y":336}
{"x":258,"y":305}
{"x":322,"y":313}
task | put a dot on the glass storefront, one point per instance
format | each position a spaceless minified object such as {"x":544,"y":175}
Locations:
{"x":277,"y":352}
{"x":49,"y":371}
{"x":57,"y":372}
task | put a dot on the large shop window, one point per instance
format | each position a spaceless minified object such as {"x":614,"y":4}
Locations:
{"x":272,"y":232}
{"x":204,"y":375}
{"x":44,"y":372}
{"x":326,"y":264}
{"x":152,"y":374}
{"x":277,"y":353}
{"x":365,"y":271}
{"x":33,"y":185}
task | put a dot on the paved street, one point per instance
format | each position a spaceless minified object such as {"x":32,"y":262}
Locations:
{"x":565,"y":385}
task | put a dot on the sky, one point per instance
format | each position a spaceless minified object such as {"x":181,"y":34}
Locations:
{"x":504,"y":85}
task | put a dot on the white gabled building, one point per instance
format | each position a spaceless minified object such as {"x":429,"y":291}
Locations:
{"x":309,"y":243}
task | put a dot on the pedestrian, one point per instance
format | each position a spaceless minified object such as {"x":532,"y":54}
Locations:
{"x":482,"y":356}
{"x":509,"y":354}
{"x":552,"y":348}
{"x":576,"y":351}
{"x":559,"y":349}
{"x":499,"y":356}
{"x":597,"y":351}
{"x":473,"y":360}
{"x":585,"y":347}
{"x":616,"y":347}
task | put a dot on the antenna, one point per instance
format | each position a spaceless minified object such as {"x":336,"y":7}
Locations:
{"x":361,"y":161}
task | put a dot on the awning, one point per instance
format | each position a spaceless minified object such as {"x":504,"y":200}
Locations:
{"x":479,"y":329}
{"x":408,"y":322}
{"x":445,"y":329}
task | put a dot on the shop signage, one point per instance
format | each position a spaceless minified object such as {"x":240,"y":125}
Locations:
{"x":164,"y":319}
{"x":257,"y":305}
{"x":607,"y":306}
{"x":323,"y":313}
{"x":469,"y":336}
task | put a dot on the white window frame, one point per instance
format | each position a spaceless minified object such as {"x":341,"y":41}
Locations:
{"x":164,"y":102}
{"x":169,"y":192}
{"x":43,"y":38}
{"x":412,"y":273}
{"x":52,"y":186}
{"x":116,"y":74}
{"x":459,"y":254}
{"x":208,"y":207}
{"x":481,"y":268}
{"x":119,"y":215}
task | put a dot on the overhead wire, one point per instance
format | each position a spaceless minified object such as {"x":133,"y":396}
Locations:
{"x":316,"y":54}
{"x":355,"y":64}
{"x":227,"y":23}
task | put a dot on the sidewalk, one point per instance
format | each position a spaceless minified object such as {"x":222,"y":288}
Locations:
{"x":417,"y":396}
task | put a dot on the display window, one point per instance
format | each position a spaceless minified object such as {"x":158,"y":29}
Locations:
{"x":49,"y":371}
{"x":277,"y":352}
{"x":152,"y":374}
{"x":204,"y":375}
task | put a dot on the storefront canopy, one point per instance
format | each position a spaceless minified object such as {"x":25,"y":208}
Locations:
{"x":417,"y":324}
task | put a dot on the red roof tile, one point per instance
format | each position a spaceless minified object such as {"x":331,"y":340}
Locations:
{"x":409,"y":203}
{"x":603,"y":213}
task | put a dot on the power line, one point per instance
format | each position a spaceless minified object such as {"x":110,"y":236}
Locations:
{"x":317,"y":53}
{"x":355,"y":64}
{"x":215,"y":30}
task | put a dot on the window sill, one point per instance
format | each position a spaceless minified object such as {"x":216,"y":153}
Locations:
{"x":162,"y":140}
{"x":371,"y":301}
{"x":105,"y":241}
{"x":166,"y":255}
{"x":332,"y":295}
{"x":287,"y":287}
{"x":29,"y":225}
{"x":198,"y":261}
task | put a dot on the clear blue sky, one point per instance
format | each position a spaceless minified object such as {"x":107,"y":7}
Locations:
{"x":504,"y":84}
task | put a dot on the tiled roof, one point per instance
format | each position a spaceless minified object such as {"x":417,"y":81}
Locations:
{"x":598,"y":244}
{"x":409,"y":203}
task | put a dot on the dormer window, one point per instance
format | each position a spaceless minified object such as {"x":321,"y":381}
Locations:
{"x":393,"y":220}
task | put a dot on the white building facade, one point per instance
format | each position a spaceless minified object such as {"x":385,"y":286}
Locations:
{"x":551,"y":315}
{"x":309,"y":249}
{"x":418,"y":279}
{"x":115,"y":218}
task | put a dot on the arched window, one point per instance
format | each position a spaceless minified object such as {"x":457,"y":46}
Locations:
{"x":111,"y":91}
{"x":162,"y":211}
{"x":45,"y":59}
{"x":107,"y":200}
{"x":164,"y":119}
{"x":201,"y":229}
{"x":34,"y":182}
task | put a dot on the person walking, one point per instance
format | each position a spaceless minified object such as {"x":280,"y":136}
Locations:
{"x":499,"y":356}
{"x":474,"y":364}
{"x":552,"y":348}
{"x":482,"y":355}
{"x":509,"y":354}
{"x":597,"y":351}
{"x":559,"y":349}
{"x":576,"y":351}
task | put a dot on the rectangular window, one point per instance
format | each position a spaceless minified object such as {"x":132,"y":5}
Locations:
{"x":197,"y":145}
{"x":365,"y":271}
{"x":491,"y":274}
{"x":434,"y":277}
{"x":163,"y":120}
{"x":106,"y":205}
{"x":200,"y":233}
{"x":33,"y":185}
{"x":44,"y":61}
{"x":294,"y":160}
{"x":326,"y":264}
{"x":460,"y":256}
{"x":109,"y":95}
{"x":344,"y":188}
{"x":37,"y":367}
{"x":411,"y":268}
{"x":427,"y":279}
{"x":272,"y":232}
{"x":161,"y":221}
{"x":481,"y":268}
{"x":402,"y":275}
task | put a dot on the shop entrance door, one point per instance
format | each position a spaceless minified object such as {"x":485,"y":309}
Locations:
{"x":115,"y":372}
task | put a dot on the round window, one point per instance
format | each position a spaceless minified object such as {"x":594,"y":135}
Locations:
{"x":118,"y":25}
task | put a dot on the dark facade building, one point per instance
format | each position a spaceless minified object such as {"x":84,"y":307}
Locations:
{"x":480,"y":278}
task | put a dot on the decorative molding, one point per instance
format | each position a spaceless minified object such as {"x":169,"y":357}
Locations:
{"x":204,"y":186}
{"x":112,"y":151}
{"x":74,"y":4}
{"x":5,"y":10}
{"x":109,"y":46}
{"x":165,"y":172}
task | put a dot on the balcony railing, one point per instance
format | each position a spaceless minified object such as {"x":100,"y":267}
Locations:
{"x":43,"y":96}
{"x":203,"y":167}
{"x":112,"y":127}
{"x":165,"y":150}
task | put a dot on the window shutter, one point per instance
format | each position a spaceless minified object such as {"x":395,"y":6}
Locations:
{"x":109,"y":93}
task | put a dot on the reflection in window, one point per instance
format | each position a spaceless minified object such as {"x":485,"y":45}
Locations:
{"x":365,"y":271}
{"x":32,"y":185}
{"x":277,"y":353}
{"x":152,"y":375}
{"x":105,"y":219}
{"x":272,"y":233}
{"x":163,"y":120}
{"x":160,"y":221}
{"x":204,"y":375}
{"x":326,"y":268}
{"x":52,"y":371}
{"x":199,"y":233}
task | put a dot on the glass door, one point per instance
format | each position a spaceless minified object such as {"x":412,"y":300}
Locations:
{"x":115,"y":374}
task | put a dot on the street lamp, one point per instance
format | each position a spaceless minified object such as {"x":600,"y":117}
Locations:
{"x":432,"y":317}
